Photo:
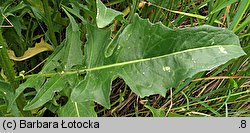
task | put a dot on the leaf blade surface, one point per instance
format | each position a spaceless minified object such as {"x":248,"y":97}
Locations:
{"x":155,"y":58}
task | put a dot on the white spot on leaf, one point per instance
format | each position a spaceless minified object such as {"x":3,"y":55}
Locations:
{"x":166,"y":68}
{"x":194,"y":60}
{"x":222,"y":50}
{"x":212,"y":41}
{"x":62,"y":72}
{"x":129,"y":35}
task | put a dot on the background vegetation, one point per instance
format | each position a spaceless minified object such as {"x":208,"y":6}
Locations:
{"x":223,"y":92}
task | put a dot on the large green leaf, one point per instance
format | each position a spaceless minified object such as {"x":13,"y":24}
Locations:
{"x":105,"y":15}
{"x":73,"y":53}
{"x":99,"y":81}
{"x":54,"y":84}
{"x":151,"y":58}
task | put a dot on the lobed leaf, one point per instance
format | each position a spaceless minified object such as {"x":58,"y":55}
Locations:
{"x":99,"y":81}
{"x":152,"y":59}
{"x":73,"y":53}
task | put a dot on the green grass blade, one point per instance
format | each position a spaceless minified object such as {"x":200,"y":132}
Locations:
{"x":188,"y":14}
{"x":242,"y":26}
{"x":223,"y":5}
{"x":239,"y":14}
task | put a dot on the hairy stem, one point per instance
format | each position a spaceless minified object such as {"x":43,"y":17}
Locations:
{"x":10,"y":74}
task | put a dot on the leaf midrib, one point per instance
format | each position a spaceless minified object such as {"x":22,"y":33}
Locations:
{"x":153,"y":58}
{"x":122,"y":63}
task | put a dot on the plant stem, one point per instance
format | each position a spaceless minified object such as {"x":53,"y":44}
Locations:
{"x":10,"y":74}
{"x":49,"y":23}
{"x":133,"y":10}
